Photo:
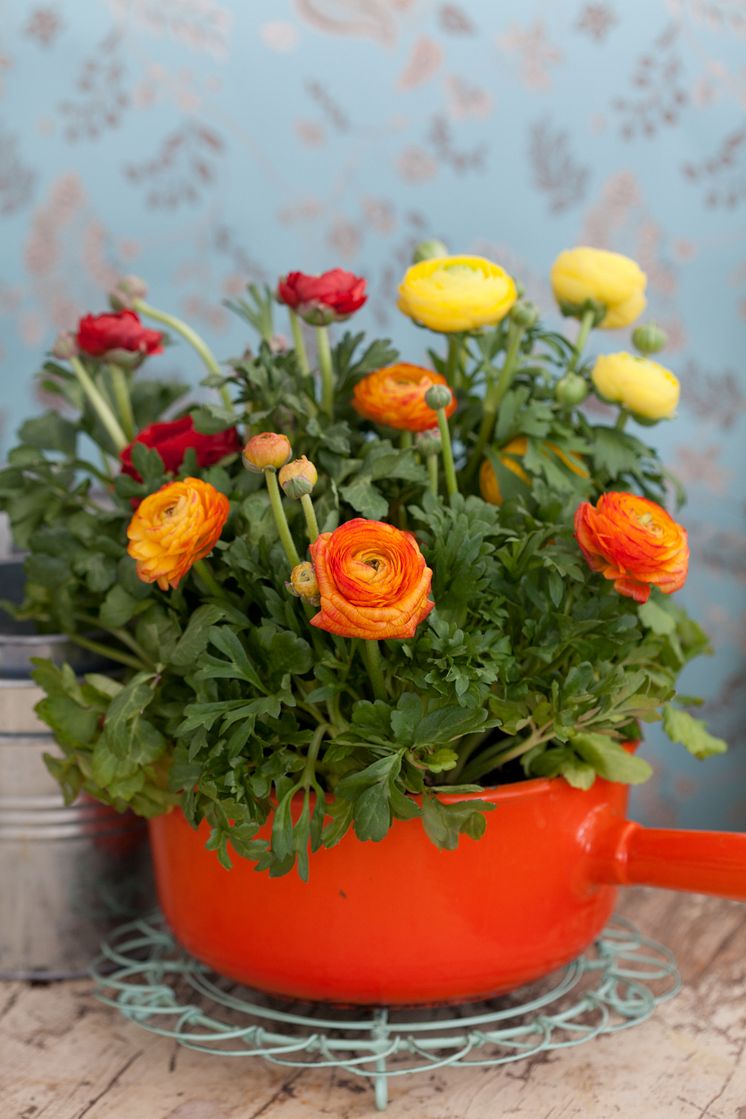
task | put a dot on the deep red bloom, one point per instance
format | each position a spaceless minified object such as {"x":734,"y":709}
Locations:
{"x":116,"y":330}
{"x":173,"y":439}
{"x":331,"y":297}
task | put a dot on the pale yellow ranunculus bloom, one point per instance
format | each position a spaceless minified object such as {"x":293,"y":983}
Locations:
{"x":584,"y":274}
{"x":453,"y":293}
{"x":644,"y":387}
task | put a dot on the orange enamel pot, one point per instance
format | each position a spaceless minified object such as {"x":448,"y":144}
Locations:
{"x":402,"y":922}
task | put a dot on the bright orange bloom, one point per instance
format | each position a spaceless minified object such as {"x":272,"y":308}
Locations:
{"x":634,"y":542}
{"x":175,"y":527}
{"x":372,"y":579}
{"x":395,"y":396}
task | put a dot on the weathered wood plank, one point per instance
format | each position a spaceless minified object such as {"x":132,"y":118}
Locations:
{"x":64,"y":1056}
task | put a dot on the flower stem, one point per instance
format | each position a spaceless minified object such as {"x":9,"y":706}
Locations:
{"x":494,"y":395}
{"x":312,"y":525}
{"x":373,"y":662}
{"x":106,"y":651}
{"x":432,"y":471}
{"x":453,"y":361}
{"x":586,"y":325}
{"x":313,"y":752}
{"x":202,"y":568}
{"x":122,"y":397}
{"x":405,"y":440}
{"x":447,"y":451}
{"x":192,"y":338}
{"x":621,"y":419}
{"x":326,"y":369}
{"x":102,"y":409}
{"x":298,"y":343}
{"x":278,"y":512}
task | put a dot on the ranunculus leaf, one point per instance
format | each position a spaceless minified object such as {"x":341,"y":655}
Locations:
{"x":117,"y":608}
{"x":365,"y":498}
{"x":50,"y":432}
{"x":610,"y":760}
{"x":692,"y":733}
{"x":193,"y":640}
{"x":657,"y":619}
{"x":371,"y":813}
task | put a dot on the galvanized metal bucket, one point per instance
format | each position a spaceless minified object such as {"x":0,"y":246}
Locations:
{"x":68,"y":874}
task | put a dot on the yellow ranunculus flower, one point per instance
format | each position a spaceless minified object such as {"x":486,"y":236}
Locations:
{"x":583,"y":274}
{"x":642,"y":386}
{"x":453,"y":293}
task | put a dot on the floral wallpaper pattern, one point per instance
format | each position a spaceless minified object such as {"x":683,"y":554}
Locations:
{"x":204,"y":143}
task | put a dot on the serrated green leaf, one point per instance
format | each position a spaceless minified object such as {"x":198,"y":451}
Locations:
{"x":691,"y":733}
{"x":610,"y":759}
{"x":193,"y":641}
{"x":654,"y":617}
{"x":371,"y":813}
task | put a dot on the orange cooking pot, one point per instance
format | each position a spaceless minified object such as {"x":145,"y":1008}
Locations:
{"x":401,"y":921}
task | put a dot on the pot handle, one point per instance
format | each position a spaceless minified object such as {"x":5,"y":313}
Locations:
{"x":706,"y":862}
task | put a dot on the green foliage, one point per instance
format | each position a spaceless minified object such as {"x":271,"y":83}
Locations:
{"x":231,"y":705}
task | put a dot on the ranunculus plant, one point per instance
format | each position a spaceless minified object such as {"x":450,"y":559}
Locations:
{"x":354,"y":582}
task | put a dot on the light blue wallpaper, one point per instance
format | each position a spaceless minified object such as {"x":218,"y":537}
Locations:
{"x":201,"y":143}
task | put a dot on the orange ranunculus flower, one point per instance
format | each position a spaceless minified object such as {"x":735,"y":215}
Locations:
{"x":175,"y":527}
{"x":489,"y":485}
{"x":395,"y":396}
{"x":372,"y":579}
{"x":634,"y":542}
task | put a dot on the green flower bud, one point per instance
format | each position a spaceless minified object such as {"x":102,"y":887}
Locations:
{"x":428,"y":250}
{"x":649,"y":338}
{"x":438,"y":396}
{"x":65,"y":346}
{"x":524,"y":314}
{"x":429,"y":442}
{"x":298,"y":478}
{"x":571,"y":389}
{"x":126,"y":291}
{"x":578,"y":310}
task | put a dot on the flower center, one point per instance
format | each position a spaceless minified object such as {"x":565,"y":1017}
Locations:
{"x":647,"y":522}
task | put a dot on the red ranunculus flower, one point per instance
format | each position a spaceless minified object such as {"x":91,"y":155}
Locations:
{"x":98,"y":335}
{"x":331,"y":297}
{"x":173,"y":439}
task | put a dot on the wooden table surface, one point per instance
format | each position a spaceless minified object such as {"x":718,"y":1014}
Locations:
{"x":63,"y":1055}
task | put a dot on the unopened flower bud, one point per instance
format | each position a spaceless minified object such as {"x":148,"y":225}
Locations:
{"x":524,"y":314}
{"x":266,"y":451}
{"x":571,"y":389}
{"x":65,"y":346}
{"x":579,"y":310}
{"x":438,"y":396}
{"x":303,"y":583}
{"x":126,"y":291}
{"x":429,"y":442}
{"x":278,"y":344}
{"x":298,"y":477}
{"x":128,"y":360}
{"x":428,"y":250}
{"x":649,"y":338}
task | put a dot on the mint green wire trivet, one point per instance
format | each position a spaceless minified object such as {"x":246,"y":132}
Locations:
{"x":616,"y":984}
